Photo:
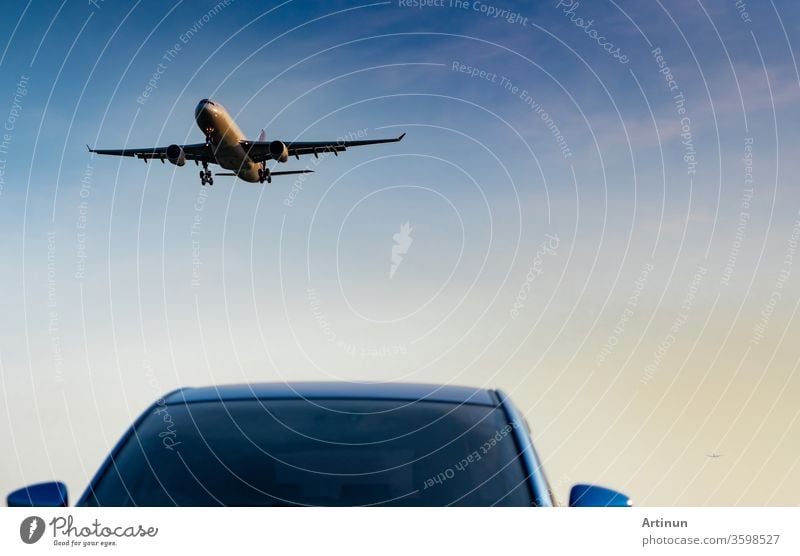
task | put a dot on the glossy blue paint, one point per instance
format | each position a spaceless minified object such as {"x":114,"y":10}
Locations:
{"x":50,"y":495}
{"x":334,"y":390}
{"x":533,"y":467}
{"x":591,"y":496}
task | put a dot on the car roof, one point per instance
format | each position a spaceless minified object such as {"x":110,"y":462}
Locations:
{"x":399,"y":391}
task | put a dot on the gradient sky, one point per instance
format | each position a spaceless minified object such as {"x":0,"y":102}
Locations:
{"x":654,"y":327}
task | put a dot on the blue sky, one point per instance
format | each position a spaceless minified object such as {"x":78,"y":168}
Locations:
{"x":111,"y":296}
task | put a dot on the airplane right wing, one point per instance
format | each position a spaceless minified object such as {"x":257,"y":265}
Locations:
{"x":261,"y":151}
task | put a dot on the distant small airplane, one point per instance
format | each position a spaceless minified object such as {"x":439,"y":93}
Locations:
{"x":227,"y":146}
{"x":714,"y":455}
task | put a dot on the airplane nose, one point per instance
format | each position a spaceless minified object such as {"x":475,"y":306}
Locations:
{"x":200,"y":106}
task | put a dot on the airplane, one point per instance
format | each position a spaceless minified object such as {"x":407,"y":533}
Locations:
{"x":227,"y":146}
{"x":714,"y":455}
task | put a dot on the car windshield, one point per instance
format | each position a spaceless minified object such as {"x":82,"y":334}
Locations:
{"x":317,"y":452}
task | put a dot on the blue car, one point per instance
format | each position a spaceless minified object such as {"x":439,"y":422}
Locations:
{"x":323,"y":444}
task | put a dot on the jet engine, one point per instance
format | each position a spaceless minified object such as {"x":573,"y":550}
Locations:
{"x":279,"y":151}
{"x":176,"y":155}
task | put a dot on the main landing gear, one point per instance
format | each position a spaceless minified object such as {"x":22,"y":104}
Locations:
{"x":205,"y":175}
{"x":264,"y":175}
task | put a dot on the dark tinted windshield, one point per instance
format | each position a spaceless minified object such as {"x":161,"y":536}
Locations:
{"x":331,"y":452}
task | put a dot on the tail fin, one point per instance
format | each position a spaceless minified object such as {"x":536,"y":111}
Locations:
{"x":262,"y":136}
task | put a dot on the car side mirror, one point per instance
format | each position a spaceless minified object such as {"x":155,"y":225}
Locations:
{"x":50,"y":495}
{"x":591,"y":496}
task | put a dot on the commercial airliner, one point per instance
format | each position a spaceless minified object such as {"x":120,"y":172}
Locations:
{"x":227,"y":146}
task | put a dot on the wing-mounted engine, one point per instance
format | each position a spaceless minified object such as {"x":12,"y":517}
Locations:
{"x":279,"y":151}
{"x":176,"y":155}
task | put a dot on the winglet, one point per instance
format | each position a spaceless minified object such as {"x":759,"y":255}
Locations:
{"x":90,"y":148}
{"x":401,"y":137}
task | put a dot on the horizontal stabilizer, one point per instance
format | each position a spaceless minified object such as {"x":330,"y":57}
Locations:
{"x":284,"y":173}
{"x":287,"y":172}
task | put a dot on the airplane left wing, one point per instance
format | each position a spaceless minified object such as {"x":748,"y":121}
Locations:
{"x":199,"y":152}
{"x":261,"y":151}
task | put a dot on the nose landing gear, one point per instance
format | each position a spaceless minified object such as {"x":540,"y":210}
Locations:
{"x":205,"y":175}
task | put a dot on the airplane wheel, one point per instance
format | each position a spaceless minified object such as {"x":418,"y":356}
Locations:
{"x":210,"y":181}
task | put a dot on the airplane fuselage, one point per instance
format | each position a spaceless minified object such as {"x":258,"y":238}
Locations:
{"x":225,"y":137}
